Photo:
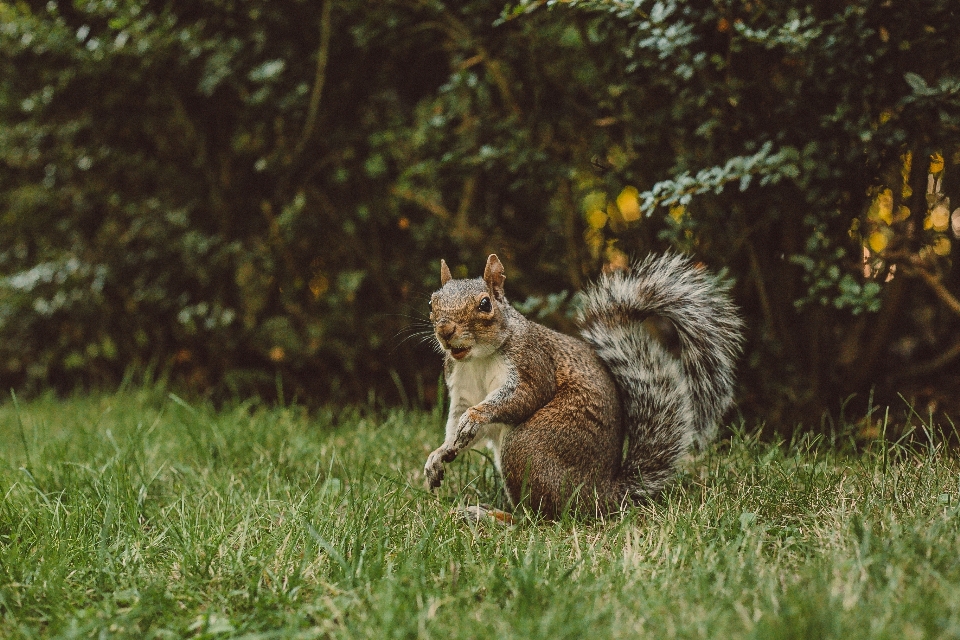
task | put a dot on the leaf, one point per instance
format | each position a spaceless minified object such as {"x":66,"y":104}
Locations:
{"x":615,"y":218}
{"x":629,"y":204}
{"x":939,"y":218}
{"x":918,"y":84}
{"x":942,"y":246}
{"x":596,"y":219}
{"x":854,"y":230}
{"x":596,"y":199}
{"x":882,"y":207}
{"x":269,"y":70}
{"x":877,"y":241}
{"x":936,"y":163}
{"x":906,"y":191}
{"x":885,"y":202}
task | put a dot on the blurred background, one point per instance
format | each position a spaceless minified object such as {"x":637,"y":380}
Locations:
{"x":251,"y":197}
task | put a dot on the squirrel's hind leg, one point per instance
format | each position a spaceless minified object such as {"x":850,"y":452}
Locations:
{"x":576,"y":476}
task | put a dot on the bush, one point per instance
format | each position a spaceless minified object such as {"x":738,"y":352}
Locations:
{"x":253,"y":197}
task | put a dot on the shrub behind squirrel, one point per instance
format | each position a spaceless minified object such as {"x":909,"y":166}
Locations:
{"x":588,"y":425}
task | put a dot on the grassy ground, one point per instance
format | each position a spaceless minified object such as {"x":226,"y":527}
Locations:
{"x":140,"y":515}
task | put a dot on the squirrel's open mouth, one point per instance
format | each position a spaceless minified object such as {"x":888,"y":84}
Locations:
{"x":459,"y":354}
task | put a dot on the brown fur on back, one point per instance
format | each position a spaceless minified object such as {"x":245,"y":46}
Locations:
{"x":573,"y":442}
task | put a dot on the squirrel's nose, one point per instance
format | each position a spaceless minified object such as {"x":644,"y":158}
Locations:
{"x":446,"y":329}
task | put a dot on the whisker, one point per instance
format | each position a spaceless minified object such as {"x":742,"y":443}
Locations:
{"x":422,"y":337}
{"x":419,"y":317}
{"x":413,"y":330}
{"x":420,"y":330}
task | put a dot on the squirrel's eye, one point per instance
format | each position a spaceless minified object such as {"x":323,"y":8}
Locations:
{"x":485,"y":305}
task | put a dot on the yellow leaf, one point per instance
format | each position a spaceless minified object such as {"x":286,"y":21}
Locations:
{"x":677,"y":212}
{"x":617,"y":223}
{"x":940,"y":217}
{"x":629,"y":204}
{"x":907,"y":158}
{"x":942,"y":246}
{"x":902,"y":213}
{"x":596,"y":218}
{"x":936,"y":163}
{"x":927,"y":223}
{"x":878,"y":241}
{"x":881,"y":209}
{"x":885,"y":204}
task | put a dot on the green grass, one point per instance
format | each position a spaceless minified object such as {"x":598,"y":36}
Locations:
{"x":140,"y":515}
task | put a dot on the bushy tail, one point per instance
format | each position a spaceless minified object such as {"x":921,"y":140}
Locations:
{"x":669,"y":404}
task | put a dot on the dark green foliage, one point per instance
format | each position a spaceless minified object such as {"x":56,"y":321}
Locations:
{"x":173,"y":200}
{"x":788,"y":117}
{"x":253,"y":197}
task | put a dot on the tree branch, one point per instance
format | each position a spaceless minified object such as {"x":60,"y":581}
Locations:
{"x":757,"y":274}
{"x":934,"y":364}
{"x":433,"y":206}
{"x":323,"y":55}
{"x":936,"y":285}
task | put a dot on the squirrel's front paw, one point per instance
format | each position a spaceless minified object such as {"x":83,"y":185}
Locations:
{"x":433,"y":470}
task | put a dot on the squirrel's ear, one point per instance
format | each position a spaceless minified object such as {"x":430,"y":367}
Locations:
{"x":445,"y":276}
{"x":493,"y":275}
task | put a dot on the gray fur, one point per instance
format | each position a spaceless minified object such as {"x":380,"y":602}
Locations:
{"x":669,"y":405}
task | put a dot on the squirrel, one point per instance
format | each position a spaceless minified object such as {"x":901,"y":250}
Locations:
{"x":591,"y":424}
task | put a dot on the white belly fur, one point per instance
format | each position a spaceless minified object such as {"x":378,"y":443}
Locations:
{"x":470,"y":383}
